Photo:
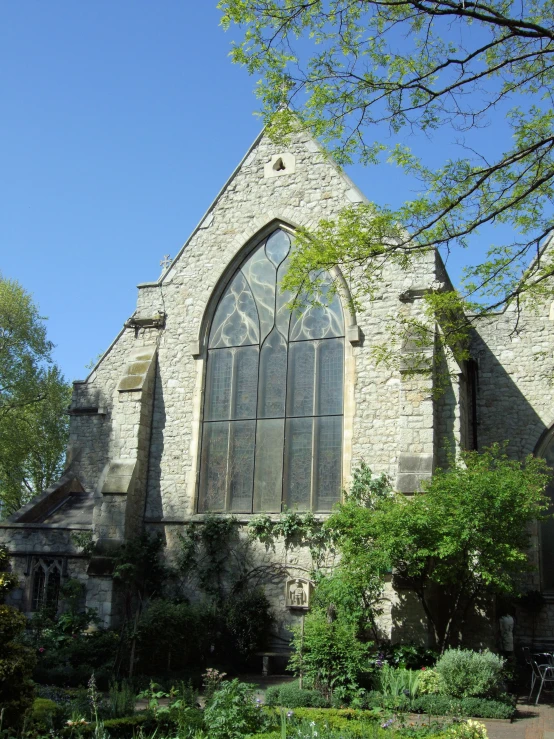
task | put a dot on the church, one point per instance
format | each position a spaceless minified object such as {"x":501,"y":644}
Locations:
{"x":215,"y":398}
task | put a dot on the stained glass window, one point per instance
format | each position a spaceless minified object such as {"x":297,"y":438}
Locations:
{"x":272,"y":429}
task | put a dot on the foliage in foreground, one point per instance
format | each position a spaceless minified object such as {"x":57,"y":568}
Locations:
{"x":231,"y":712}
{"x":352,"y":73}
{"x":478,"y":552}
{"x":464,"y":673}
{"x":329,"y":653}
{"x":16,"y":660}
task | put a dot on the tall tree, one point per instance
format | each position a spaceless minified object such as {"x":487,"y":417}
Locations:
{"x":33,"y":397}
{"x":347,"y":69}
{"x":468,"y":533}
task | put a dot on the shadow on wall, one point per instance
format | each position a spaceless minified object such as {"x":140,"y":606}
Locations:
{"x":410,"y":624}
{"x":503,"y":412}
{"x":154,"y":503}
{"x":445,"y":414}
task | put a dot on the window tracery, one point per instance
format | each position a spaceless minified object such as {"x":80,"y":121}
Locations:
{"x":46,"y":576}
{"x":272,"y":424}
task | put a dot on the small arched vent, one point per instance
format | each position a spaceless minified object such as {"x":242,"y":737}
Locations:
{"x":279,"y":165}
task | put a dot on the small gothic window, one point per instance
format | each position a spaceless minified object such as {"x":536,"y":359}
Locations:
{"x":273,"y":407}
{"x":45,"y":584}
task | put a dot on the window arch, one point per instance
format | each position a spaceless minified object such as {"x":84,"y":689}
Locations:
{"x":46,"y":582}
{"x":273,"y":404}
{"x":546,"y":451}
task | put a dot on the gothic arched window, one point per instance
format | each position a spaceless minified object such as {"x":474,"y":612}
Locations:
{"x":272,"y":426}
{"x":46,"y":582}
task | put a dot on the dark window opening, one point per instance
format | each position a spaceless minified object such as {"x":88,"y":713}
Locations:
{"x":46,"y":582}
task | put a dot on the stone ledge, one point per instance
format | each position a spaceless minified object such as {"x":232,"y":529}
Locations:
{"x":119,"y":477}
{"x":242,"y":518}
{"x":138,"y":369}
{"x":155,"y":321}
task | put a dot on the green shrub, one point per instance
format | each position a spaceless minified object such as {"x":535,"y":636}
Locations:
{"x":375,"y":699}
{"x":333,"y":724}
{"x":63,"y":675}
{"x":248,"y":621}
{"x":328,"y":654}
{"x":185,"y":633}
{"x":429,"y":682}
{"x":290,"y":695}
{"x":464,"y":673}
{"x":443,"y":705}
{"x":232,"y":711}
{"x":43,"y":716}
{"x":70,"y":659}
{"x":343,"y":723}
{"x":16,"y":667}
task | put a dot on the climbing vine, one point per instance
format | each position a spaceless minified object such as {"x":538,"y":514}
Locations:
{"x":301,"y":529}
{"x":215,"y":556}
{"x":84,"y":541}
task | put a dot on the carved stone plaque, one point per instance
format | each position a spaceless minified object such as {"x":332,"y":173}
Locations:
{"x":298,"y":591}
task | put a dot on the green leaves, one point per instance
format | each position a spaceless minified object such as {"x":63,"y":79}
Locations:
{"x":467,"y":532}
{"x":353,"y":73}
{"x":24,"y":348}
{"x":33,"y":398}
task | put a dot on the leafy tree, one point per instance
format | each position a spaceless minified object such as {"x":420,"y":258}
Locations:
{"x":467,"y":533}
{"x":33,"y":440}
{"x":352,"y":72}
{"x":33,"y":397}
{"x":24,"y":348}
{"x":16,"y":660}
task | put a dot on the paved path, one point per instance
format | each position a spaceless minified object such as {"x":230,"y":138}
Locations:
{"x":534,"y":722}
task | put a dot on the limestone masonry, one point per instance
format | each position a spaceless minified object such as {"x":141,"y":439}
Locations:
{"x":140,"y":436}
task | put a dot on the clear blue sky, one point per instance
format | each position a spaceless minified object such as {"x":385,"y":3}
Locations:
{"x":120,"y":122}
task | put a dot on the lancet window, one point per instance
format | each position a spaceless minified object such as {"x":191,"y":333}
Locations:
{"x":45,"y":583}
{"x":273,"y":405}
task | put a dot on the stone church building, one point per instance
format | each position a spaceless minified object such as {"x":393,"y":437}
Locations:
{"x":215,"y":398}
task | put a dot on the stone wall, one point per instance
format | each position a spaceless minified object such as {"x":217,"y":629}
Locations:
{"x":515,"y":404}
{"x":147,"y":448}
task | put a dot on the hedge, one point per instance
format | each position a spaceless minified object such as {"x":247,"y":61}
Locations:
{"x":292,"y":696}
{"x":444,"y":705}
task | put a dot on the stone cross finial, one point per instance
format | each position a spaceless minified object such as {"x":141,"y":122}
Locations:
{"x":166,"y":261}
